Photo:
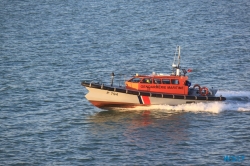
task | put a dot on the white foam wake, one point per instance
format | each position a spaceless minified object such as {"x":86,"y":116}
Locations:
{"x":229,"y":94}
{"x":215,"y":107}
{"x":236,"y":101}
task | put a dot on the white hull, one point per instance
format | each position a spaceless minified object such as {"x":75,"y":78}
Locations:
{"x":106,"y":98}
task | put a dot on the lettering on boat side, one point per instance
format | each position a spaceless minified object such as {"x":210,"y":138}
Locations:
{"x":153,"y":86}
{"x":112,"y":93}
{"x":161,"y":87}
{"x":175,"y":87}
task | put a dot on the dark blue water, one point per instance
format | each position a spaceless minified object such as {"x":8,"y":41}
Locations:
{"x":48,"y":47}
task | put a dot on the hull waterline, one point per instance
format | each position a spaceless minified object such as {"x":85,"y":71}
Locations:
{"x":107,"y":97}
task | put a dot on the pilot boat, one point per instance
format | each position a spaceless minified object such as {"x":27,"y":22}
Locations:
{"x":153,"y":89}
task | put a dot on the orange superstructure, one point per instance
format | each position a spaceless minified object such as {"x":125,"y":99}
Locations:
{"x":170,"y":84}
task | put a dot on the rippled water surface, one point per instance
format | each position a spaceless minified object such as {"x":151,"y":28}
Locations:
{"x":48,"y":47}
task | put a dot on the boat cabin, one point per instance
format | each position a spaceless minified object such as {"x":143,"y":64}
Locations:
{"x":160,"y":84}
{"x":176,"y":83}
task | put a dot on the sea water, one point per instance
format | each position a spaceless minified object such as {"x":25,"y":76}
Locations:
{"x":48,"y":47}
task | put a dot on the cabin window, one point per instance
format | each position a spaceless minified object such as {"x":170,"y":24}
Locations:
{"x":147,"y":80}
{"x":135,"y":79}
{"x":157,"y":81}
{"x":165,"y":81}
{"x":174,"y":81}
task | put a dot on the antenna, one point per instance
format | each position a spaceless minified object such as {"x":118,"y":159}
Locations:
{"x":112,"y":78}
{"x":176,"y":65}
{"x":179,"y":55}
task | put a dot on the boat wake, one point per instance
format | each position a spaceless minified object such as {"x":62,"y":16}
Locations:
{"x":236,"y":101}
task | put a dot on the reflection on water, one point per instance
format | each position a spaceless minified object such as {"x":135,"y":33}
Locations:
{"x":141,"y":128}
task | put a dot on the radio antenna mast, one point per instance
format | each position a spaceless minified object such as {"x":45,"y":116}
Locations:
{"x":174,"y":65}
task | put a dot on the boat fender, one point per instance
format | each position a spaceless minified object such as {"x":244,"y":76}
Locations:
{"x":204,"y":91}
{"x":197,"y":85}
{"x":199,"y":88}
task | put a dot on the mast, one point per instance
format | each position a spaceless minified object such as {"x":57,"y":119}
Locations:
{"x":179,"y":55}
{"x":177,"y":66}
